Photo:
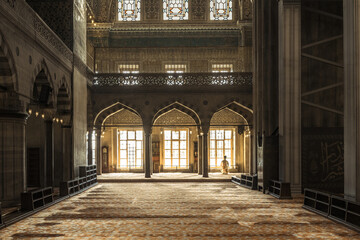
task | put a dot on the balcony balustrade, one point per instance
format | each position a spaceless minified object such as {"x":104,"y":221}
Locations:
{"x":239,"y":79}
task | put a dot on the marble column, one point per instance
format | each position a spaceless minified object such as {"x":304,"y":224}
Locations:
{"x":98,"y":152}
{"x":205,"y":154}
{"x":352,"y":99}
{"x":12,"y":157}
{"x":68,"y":162}
{"x":89,"y":143}
{"x":200,"y":156}
{"x":49,"y":153}
{"x":290,"y":93}
{"x":148,"y":151}
{"x":58,"y":154}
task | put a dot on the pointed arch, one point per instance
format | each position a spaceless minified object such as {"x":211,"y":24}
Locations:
{"x":103,"y":114}
{"x":182,"y":108}
{"x":8,"y":73}
{"x":42,"y":78}
{"x":239,"y":109}
{"x":63,"y":98}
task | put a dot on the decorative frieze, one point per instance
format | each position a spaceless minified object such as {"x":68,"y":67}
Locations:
{"x":185,"y":79}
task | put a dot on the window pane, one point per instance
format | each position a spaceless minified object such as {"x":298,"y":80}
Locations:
{"x":219,"y":154}
{"x":183,"y":162}
{"x":182,"y":153}
{"x":183,"y":145}
{"x":123,"y":163}
{"x":167,"y":135}
{"x":131,"y":134}
{"x":175,"y":135}
{"x":167,"y":162}
{"x":212,"y":153}
{"x":219,"y":134}
{"x":228,"y":134}
{"x":138,"y":153}
{"x":167,"y":153}
{"x":212,"y":162}
{"x":183,"y":135}
{"x":138,"y":144}
{"x":228,"y":155}
{"x":175,"y":154}
{"x":176,"y":9}
{"x":220,"y":144}
{"x":123,"y":144}
{"x":212,"y":134}
{"x":129,"y":10}
{"x":139,"y":135}
{"x":167,"y":144}
{"x":175,"y":145}
{"x":123,"y":154}
{"x":220,"y":9}
{"x":123,"y":135}
{"x":139,"y":162}
{"x":212,"y":143}
{"x":227,"y":143}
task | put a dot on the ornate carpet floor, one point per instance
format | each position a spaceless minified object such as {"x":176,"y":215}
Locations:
{"x":176,"y":211}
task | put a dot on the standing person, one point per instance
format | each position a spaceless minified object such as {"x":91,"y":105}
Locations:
{"x":225,"y":166}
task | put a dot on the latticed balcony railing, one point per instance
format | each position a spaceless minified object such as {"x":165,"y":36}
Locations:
{"x":174,"y":79}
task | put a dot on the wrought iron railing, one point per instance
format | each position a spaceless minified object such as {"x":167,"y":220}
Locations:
{"x":178,"y":79}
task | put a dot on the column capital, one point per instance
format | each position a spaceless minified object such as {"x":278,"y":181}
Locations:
{"x":147,"y":129}
{"x":205,"y":127}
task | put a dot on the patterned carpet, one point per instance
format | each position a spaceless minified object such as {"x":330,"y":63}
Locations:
{"x":176,"y":211}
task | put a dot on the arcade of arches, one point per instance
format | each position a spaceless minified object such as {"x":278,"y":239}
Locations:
{"x":152,"y":87}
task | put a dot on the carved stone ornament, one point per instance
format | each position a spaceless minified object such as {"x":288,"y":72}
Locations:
{"x":186,"y":79}
{"x":123,"y":117}
{"x":227,"y":117}
{"x":175,"y":117}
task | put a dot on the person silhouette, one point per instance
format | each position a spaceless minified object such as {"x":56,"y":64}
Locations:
{"x":224,"y":166}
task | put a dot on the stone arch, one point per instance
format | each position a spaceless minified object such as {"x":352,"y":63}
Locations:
{"x":239,"y":109}
{"x":42,"y":81}
{"x":182,"y":108}
{"x":112,"y":109}
{"x":63,"y":99}
{"x":227,"y":117}
{"x":123,"y":117}
{"x":8,"y":73}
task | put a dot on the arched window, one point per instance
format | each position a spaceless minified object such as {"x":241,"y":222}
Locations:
{"x":129,"y":10}
{"x":176,"y":9}
{"x":220,"y":9}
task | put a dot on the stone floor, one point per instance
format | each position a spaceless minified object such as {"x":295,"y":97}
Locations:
{"x":176,"y":211}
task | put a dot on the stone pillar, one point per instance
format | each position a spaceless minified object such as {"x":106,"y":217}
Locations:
{"x":68,"y":162}
{"x":290,"y":93}
{"x":352,"y":96}
{"x":98,"y":152}
{"x":49,"y":153}
{"x":148,"y":151}
{"x":12,"y":157}
{"x":58,"y":155}
{"x":200,"y":155}
{"x":205,"y":154}
{"x":89,"y":144}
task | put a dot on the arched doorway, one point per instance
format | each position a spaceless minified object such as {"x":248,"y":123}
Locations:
{"x":122,"y":142}
{"x":39,"y":131}
{"x":174,"y":142}
{"x":229,"y":136}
